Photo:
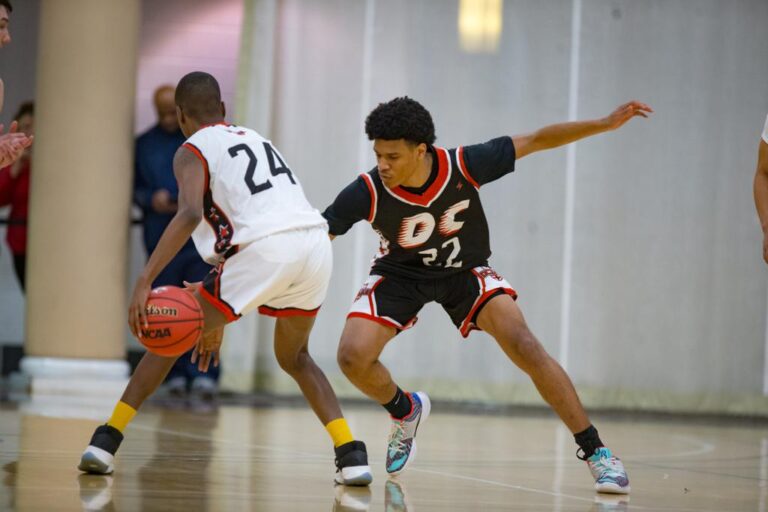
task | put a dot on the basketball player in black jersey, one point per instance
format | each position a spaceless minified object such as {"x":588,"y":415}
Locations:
{"x":423,"y":202}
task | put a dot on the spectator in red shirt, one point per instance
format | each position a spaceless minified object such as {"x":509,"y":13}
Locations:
{"x":14,"y":190}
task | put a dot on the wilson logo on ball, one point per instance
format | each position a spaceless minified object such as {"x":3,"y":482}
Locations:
{"x":161,"y":310}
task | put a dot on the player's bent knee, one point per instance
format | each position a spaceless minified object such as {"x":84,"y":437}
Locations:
{"x":352,"y":360}
{"x":527,"y":350}
{"x":294,"y":364}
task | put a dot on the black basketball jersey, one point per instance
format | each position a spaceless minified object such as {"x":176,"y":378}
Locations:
{"x":436,"y":230}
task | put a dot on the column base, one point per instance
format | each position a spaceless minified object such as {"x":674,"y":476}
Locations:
{"x":98,"y":378}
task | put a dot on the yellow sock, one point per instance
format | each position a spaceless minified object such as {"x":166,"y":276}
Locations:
{"x":121,"y":416}
{"x":339,"y":431}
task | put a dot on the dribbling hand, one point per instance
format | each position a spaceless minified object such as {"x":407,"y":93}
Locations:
{"x":137,"y":308}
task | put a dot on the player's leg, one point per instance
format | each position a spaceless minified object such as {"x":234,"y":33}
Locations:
{"x":294,"y":287}
{"x":98,"y":457}
{"x":501,"y":318}
{"x":382,"y":309}
{"x":292,"y":353}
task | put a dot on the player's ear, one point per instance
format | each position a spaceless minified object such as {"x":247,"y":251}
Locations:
{"x":179,"y":115}
{"x":421,"y":150}
{"x":223,"y":110}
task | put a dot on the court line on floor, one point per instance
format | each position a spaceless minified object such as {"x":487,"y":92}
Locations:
{"x":211,"y":439}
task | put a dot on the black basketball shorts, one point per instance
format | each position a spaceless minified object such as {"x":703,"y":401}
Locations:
{"x":396,"y":302}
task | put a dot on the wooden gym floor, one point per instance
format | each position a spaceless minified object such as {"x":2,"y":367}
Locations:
{"x":238,"y":457}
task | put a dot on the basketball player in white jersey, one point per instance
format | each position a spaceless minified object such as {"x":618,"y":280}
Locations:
{"x":248,"y":216}
{"x":761,"y":187}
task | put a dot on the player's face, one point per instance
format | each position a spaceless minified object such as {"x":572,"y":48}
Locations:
{"x":397,"y":160}
{"x":5,"y":34}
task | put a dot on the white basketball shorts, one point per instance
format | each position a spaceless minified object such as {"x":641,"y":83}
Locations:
{"x":285,"y":274}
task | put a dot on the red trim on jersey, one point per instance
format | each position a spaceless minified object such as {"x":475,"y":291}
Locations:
{"x":219,"y":304}
{"x":372,"y":191}
{"x":463,"y":167}
{"x":378,"y":320}
{"x":203,"y":161}
{"x":285,"y":312}
{"x":434,"y":190}
{"x":218,"y":210}
{"x":467,"y":325}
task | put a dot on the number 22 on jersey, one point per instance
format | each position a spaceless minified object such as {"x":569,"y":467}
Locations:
{"x":416,"y":230}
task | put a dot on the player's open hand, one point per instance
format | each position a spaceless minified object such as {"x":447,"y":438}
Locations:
{"x":207,"y":349}
{"x":137,"y":308}
{"x":625,"y":112}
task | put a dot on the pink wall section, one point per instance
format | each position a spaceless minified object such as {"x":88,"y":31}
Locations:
{"x":179,"y":36}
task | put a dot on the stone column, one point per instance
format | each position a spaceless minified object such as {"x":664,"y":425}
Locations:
{"x":80,"y":196}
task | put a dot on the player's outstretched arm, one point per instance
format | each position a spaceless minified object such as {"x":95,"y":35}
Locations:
{"x":761,"y":193}
{"x":556,"y":135}
{"x":191,"y":179}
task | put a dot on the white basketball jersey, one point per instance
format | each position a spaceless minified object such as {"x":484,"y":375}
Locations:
{"x":250,"y":192}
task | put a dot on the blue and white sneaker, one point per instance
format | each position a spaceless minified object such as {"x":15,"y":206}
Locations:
{"x":402,"y":438}
{"x":608,"y":471}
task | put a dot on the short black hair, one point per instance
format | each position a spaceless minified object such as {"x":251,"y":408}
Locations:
{"x":26,"y":108}
{"x":199,"y":96}
{"x":401,"y":118}
{"x":7,"y":5}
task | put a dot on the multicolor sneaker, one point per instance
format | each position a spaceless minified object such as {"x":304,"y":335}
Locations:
{"x":99,"y":456}
{"x":352,"y":464}
{"x":402,"y":437}
{"x":608,"y":472}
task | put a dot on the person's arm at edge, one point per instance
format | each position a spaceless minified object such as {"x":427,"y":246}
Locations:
{"x":560,"y":134}
{"x":190,"y":176}
{"x":761,"y":192}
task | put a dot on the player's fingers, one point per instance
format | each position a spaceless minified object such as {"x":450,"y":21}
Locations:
{"x":193,"y":357}
{"x":136,"y":324}
{"x":130,"y":321}
{"x":216,"y":359}
{"x":14,"y":127}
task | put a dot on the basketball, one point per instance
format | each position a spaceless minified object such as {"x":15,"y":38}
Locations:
{"x":175,"y":321}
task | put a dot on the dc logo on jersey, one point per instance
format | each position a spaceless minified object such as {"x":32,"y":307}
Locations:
{"x":416,"y":230}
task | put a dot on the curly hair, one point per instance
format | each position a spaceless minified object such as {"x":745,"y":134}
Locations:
{"x":401,"y":118}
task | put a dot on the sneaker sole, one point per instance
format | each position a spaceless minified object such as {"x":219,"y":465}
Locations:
{"x":96,"y":461}
{"x":426,"y":407}
{"x":612,"y":489}
{"x":355,"y":476}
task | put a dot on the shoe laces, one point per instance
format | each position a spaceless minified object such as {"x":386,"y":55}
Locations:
{"x":610,"y":467}
{"x":396,"y":435}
